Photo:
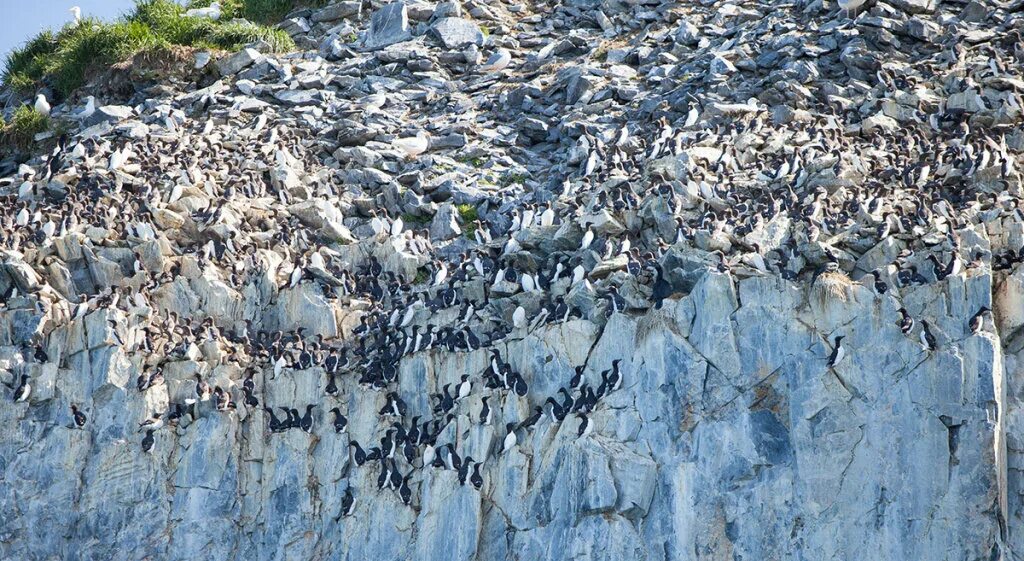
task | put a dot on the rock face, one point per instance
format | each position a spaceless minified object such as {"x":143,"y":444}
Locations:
{"x":729,"y":436}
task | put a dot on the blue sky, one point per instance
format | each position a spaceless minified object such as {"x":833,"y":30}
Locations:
{"x":22,"y":19}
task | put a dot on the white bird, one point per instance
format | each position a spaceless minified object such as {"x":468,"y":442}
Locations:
{"x":588,"y":238}
{"x":25,"y":190}
{"x":691,"y":117}
{"x":527,"y":282}
{"x":396,"y":227}
{"x":87,"y":111}
{"x":42,"y":106}
{"x":412,"y":145}
{"x":213,"y":11}
{"x":497,"y":62}
{"x":76,"y":15}
{"x":117,"y":159}
{"x":510,"y":439}
{"x":547,"y":218}
{"x":22,"y":218}
{"x":519,"y":317}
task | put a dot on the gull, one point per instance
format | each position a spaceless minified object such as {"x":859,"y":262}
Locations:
{"x":87,"y":111}
{"x":42,"y":106}
{"x":412,"y":145}
{"x":212,"y":11}
{"x":497,"y":62}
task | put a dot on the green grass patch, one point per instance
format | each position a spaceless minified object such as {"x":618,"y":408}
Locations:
{"x":475,"y":161}
{"x":467,"y":213}
{"x":25,"y":124}
{"x":66,"y":58}
{"x":513,"y":178}
{"x":261,"y":11}
{"x":413,"y":219}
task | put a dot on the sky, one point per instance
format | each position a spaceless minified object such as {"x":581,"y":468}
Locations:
{"x":20,"y":20}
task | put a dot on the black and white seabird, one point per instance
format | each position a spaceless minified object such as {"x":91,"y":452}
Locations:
{"x":340,"y":422}
{"x":485,"y":412}
{"x":906,"y":322}
{"x":306,"y":422}
{"x":977,"y":321}
{"x":80,"y":417}
{"x":476,"y":479}
{"x":23,"y":390}
{"x":148,"y":440}
{"x":585,"y":428}
{"x":348,"y":503}
{"x":510,"y":438}
{"x":838,"y":352}
{"x":927,"y":339}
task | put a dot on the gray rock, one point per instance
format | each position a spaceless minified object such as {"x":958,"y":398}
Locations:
{"x":232,"y":64}
{"x":109,"y":114}
{"x":337,"y":11}
{"x":456,"y":32}
{"x":388,"y":25}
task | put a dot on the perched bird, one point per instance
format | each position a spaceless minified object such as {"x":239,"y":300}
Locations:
{"x":977,"y":321}
{"x":838,"y":352}
{"x":42,"y":106}
{"x":412,"y":145}
{"x":927,"y":339}
{"x":148,"y":440}
{"x":213,"y":11}
{"x":906,"y":322}
{"x":78,"y":416}
{"x":497,"y":62}
{"x":76,"y":15}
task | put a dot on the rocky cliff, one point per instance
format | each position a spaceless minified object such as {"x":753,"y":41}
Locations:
{"x":581,"y":280}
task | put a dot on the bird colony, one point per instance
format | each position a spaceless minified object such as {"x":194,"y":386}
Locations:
{"x":540,"y":280}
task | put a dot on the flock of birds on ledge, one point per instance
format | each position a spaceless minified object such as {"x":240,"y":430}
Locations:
{"x":922,"y":194}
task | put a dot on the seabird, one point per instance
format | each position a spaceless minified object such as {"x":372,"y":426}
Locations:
{"x":476,"y":479}
{"x":497,"y":62}
{"x":79,"y":417}
{"x":927,"y":339}
{"x":838,"y":352}
{"x":340,"y":422}
{"x":977,"y":321}
{"x":348,"y":503}
{"x":585,"y":428}
{"x":485,"y":412}
{"x":148,"y":440}
{"x":23,"y":390}
{"x":41,"y":105}
{"x":510,"y":438}
{"x":906,"y":322}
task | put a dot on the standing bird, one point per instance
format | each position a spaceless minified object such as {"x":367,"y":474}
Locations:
{"x":510,"y":438}
{"x":348,"y":503}
{"x":148,"y":440}
{"x":23,"y":390}
{"x":837,"y":353}
{"x":927,"y":339}
{"x":76,"y":15}
{"x":906,"y":322}
{"x":977,"y":322}
{"x":78,"y":415}
{"x":42,"y":106}
{"x":586,"y":427}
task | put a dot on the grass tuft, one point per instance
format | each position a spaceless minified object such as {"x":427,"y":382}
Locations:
{"x":25,"y":124}
{"x":66,"y":58}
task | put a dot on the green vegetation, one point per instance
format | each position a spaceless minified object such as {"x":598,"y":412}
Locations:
{"x":475,"y":161}
{"x":24,"y":125}
{"x":512,"y":177}
{"x":66,"y":58}
{"x":469,"y":216}
{"x":260,"y":11}
{"x":413,"y":219}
